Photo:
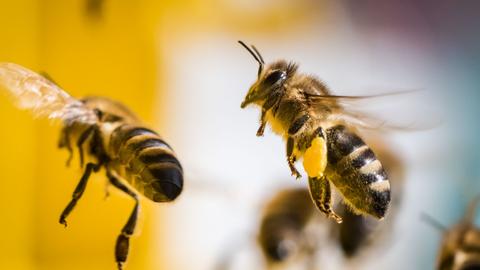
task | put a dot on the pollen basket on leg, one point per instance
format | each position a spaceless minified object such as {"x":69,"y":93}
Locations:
{"x":315,"y":158}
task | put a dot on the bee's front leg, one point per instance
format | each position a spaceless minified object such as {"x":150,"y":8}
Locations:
{"x":263,"y":122}
{"x":77,"y":194}
{"x":272,"y":101}
{"x":321,"y":194}
{"x":291,"y":158}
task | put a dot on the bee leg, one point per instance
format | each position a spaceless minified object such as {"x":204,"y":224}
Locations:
{"x":261,"y":129}
{"x":271,"y":102}
{"x":81,"y":140}
{"x":291,"y":158}
{"x":122,"y":245}
{"x":298,"y":124}
{"x":78,"y":192}
{"x":65,"y":142}
{"x":292,"y":130}
{"x":321,"y":194}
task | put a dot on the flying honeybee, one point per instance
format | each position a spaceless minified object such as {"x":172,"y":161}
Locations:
{"x":460,"y":246}
{"x":112,"y":137}
{"x":320,"y":130}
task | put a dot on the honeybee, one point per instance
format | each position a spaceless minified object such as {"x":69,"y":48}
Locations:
{"x":282,"y":231}
{"x":460,"y":246}
{"x":318,"y":128}
{"x":112,"y":138}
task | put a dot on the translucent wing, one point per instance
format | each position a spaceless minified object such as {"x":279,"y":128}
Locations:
{"x":31,"y":91}
{"x":404,"y":110}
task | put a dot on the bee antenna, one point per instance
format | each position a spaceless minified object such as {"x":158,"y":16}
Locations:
{"x":432,"y":222}
{"x":470,"y":214}
{"x":258,"y":54}
{"x":255,"y":55}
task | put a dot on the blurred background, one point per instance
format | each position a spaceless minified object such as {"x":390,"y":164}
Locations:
{"x":178,"y":65}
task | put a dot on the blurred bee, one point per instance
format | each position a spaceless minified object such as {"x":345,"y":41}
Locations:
{"x":460,"y":246}
{"x":285,"y":230}
{"x":113,"y":138}
{"x":318,"y":128}
{"x":94,"y":8}
{"x":282,"y":231}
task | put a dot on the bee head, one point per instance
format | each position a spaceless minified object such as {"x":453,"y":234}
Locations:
{"x":269,"y":79}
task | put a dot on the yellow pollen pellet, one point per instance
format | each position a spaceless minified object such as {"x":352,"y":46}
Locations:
{"x":315,"y":158}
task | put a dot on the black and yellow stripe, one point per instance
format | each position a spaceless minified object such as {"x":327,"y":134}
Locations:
{"x":151,"y":165}
{"x":358,"y":174}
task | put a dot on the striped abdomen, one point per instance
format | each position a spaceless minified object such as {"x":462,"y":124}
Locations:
{"x":357,"y":173}
{"x":146,"y":162}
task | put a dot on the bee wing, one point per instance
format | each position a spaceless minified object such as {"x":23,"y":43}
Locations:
{"x":31,"y":91}
{"x":404,"y":110}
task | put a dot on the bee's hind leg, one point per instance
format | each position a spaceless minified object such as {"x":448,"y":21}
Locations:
{"x":122,"y":245}
{"x":77,"y":194}
{"x":321,"y":194}
{"x":291,"y":158}
{"x":292,"y":130}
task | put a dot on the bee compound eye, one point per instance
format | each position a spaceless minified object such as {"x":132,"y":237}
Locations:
{"x":274,"y":77}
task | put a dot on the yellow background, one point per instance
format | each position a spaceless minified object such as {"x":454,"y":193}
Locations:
{"x":110,"y":55}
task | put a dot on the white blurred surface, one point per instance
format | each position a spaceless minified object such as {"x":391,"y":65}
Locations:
{"x":229,"y":170}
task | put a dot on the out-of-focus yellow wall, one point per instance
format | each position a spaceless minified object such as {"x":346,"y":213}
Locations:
{"x":18,"y":42}
{"x":108,"y":51}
